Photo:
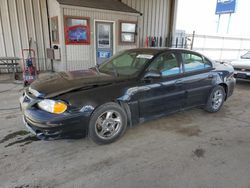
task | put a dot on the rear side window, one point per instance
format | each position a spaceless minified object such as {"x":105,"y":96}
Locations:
{"x":193,"y":62}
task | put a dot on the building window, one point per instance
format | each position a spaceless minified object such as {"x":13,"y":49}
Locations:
{"x":55,"y":30}
{"x":127,"y":32}
{"x":77,"y":30}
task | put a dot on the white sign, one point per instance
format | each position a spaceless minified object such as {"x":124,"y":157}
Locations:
{"x":145,"y":56}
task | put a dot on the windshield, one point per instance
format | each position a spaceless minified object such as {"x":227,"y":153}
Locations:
{"x":128,"y":63}
{"x":246,"y":56}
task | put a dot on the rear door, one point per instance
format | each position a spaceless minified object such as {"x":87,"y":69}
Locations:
{"x":165,"y":94}
{"x":197,"y":79}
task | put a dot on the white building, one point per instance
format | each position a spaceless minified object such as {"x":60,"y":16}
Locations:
{"x":82,"y":32}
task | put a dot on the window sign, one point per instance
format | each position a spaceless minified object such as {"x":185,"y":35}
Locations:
{"x":77,"y":34}
{"x":77,"y":30}
{"x":144,"y":56}
{"x":102,"y":54}
{"x":104,"y":32}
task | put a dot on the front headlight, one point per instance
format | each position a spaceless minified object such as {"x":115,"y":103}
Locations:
{"x":55,"y":107}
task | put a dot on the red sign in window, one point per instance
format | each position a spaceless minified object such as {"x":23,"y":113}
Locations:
{"x":77,"y":30}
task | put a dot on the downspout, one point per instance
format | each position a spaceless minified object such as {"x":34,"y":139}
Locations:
{"x":50,"y":38}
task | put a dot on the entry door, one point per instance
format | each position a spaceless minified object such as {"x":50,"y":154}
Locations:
{"x":104,"y":41}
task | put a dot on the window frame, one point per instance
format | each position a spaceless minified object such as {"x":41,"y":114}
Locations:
{"x":121,"y":32}
{"x":55,"y":20}
{"x":66,"y":29}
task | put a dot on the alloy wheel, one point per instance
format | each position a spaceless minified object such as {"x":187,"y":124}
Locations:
{"x":108,"y":124}
{"x":217,"y":99}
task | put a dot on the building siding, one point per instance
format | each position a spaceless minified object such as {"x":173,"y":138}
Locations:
{"x":15,"y":27}
{"x":155,"y":19}
{"x":55,"y":10}
{"x":6,"y":28}
{"x":83,"y":56}
{"x":21,"y":20}
{"x":2,"y":42}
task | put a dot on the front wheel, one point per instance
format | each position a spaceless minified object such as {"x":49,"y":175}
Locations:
{"x":216,"y":99}
{"x":107,"y":123}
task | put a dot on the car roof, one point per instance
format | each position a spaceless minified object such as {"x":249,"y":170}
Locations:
{"x":155,"y":51}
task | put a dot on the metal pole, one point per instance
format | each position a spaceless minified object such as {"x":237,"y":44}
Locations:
{"x":229,"y":21}
{"x":218,"y":24}
{"x":192,"y":43}
{"x":50,"y":38}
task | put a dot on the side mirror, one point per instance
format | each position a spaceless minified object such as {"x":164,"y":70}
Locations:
{"x":152,"y":74}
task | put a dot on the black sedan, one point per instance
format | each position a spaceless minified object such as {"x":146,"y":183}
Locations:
{"x":132,"y":87}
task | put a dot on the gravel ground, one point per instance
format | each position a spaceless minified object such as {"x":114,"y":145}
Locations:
{"x":191,"y":149}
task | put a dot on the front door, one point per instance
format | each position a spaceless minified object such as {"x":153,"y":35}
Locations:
{"x":104,"y":41}
{"x":166,"y":94}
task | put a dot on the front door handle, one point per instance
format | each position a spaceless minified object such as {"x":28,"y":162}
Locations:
{"x":178,"y":83}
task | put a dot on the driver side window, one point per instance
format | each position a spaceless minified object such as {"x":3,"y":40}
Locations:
{"x":166,"y":64}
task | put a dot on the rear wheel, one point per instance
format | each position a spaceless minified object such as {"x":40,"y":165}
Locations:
{"x":216,"y":99}
{"x":107,"y":124}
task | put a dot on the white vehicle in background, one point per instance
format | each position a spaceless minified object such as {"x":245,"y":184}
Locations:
{"x":242,"y":66}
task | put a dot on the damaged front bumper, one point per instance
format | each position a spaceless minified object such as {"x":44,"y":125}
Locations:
{"x":46,"y":125}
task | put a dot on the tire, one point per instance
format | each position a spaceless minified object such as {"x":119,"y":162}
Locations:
{"x":107,"y":124}
{"x":216,"y":99}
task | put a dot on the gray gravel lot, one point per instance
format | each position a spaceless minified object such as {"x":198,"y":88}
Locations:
{"x":191,"y":149}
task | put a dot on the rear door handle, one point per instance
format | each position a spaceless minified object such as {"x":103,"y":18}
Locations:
{"x":178,"y":83}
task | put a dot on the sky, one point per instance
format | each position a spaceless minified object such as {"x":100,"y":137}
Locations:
{"x":199,"y":16}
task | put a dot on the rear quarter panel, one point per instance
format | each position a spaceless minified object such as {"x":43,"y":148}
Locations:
{"x":225,"y":75}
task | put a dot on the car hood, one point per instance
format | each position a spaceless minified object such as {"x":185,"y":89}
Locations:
{"x":59,"y":83}
{"x":242,"y":64}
